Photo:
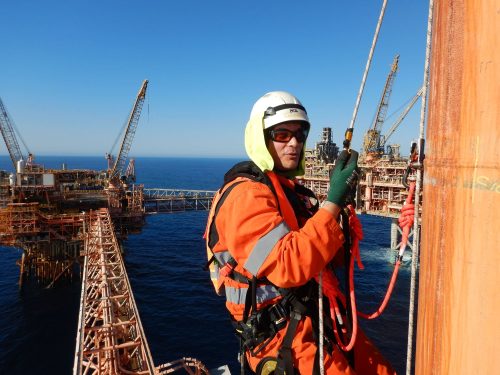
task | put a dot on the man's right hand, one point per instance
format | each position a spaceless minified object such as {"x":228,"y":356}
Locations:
{"x":344,"y":177}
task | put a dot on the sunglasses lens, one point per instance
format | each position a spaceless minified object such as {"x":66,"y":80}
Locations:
{"x":284,"y":135}
{"x":302,"y":133}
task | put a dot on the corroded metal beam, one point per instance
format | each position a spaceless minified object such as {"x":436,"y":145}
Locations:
{"x":110,"y":337}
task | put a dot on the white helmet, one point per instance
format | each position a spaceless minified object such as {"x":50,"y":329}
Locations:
{"x":278,"y":107}
{"x":273,"y":108}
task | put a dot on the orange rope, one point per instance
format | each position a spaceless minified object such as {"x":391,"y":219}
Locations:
{"x":331,"y":287}
{"x":405,"y":222}
{"x":332,"y":291}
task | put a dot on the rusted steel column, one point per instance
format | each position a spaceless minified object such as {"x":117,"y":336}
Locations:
{"x":458,"y":328}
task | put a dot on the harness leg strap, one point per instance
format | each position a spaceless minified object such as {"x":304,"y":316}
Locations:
{"x":285,"y":362}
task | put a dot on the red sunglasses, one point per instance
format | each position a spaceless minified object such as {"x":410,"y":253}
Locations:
{"x":285,"y":135}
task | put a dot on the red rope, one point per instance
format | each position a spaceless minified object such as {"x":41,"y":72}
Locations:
{"x":406,"y":218}
{"x":331,"y":286}
{"x":405,"y":222}
{"x":332,"y":291}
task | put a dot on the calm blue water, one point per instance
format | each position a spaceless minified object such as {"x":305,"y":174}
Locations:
{"x":180,"y":313}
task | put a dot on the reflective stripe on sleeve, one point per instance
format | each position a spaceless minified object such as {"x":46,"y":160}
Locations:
{"x":238,"y":295}
{"x":264,"y":246}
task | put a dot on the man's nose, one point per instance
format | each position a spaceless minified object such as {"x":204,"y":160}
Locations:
{"x":293,"y":141}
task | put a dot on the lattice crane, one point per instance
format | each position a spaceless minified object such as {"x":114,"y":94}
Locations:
{"x":371,"y":142}
{"x":385,"y":138}
{"x":118,"y":169}
{"x":9,"y":136}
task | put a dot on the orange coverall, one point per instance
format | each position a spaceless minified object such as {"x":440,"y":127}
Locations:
{"x":268,"y":241}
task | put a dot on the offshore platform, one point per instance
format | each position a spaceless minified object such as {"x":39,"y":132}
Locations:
{"x":45,"y":211}
{"x":62,"y":218}
{"x":385,"y":173}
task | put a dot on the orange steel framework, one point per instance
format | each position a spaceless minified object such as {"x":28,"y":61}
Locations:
{"x":42,"y":212}
{"x":110,"y":338}
{"x":380,"y":190}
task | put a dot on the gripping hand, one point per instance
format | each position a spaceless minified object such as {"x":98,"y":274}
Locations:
{"x":344,"y":177}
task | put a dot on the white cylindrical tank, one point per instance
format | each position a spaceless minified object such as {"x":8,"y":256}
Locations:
{"x":20,"y":166}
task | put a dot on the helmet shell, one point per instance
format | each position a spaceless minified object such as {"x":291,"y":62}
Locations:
{"x":278,"y":107}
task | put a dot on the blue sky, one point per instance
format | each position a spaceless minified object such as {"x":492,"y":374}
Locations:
{"x":70,"y":70}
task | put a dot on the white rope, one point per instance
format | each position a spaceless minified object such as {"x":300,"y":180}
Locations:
{"x":368,"y":63}
{"x":358,"y":100}
{"x":416,"y":234}
{"x":320,"y":311}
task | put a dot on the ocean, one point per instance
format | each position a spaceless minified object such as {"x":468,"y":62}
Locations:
{"x":181,"y":315}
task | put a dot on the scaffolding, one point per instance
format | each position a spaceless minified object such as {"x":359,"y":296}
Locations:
{"x":380,"y":190}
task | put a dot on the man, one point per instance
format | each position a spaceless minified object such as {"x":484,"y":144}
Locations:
{"x":270,"y":241}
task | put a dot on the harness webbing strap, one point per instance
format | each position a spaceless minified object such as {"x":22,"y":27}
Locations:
{"x":285,"y":361}
{"x":213,"y":234}
{"x":285,"y":207}
{"x":249,"y":302}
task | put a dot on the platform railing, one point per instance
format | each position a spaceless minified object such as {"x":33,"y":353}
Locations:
{"x":153,"y":193}
{"x":176,"y":200}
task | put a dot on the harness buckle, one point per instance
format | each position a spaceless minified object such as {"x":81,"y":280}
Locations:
{"x":278,"y":313}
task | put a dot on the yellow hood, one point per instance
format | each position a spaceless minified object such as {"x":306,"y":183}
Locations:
{"x":255,"y":146}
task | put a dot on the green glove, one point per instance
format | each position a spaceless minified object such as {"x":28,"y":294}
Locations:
{"x":344,"y":176}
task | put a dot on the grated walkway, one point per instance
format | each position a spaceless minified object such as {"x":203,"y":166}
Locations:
{"x":110,"y":338}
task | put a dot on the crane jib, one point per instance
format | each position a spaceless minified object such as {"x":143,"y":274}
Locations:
{"x":119,"y":166}
{"x":9,"y":135}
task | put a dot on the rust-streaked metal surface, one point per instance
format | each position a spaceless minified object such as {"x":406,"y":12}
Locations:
{"x":458,"y":328}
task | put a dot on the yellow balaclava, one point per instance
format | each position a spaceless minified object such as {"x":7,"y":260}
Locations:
{"x":271,"y":109}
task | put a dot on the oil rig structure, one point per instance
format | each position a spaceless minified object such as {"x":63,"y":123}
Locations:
{"x":45,"y":211}
{"x":65,"y":218}
{"x":383,"y":182}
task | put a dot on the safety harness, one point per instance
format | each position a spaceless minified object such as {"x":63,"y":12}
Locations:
{"x":259,"y":326}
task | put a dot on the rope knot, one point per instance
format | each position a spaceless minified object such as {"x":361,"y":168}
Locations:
{"x":407,"y":215}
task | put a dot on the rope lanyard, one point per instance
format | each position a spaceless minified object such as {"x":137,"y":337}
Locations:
{"x":347,"y":143}
{"x":416,"y":244}
{"x":321,"y":324}
{"x":330,"y":285}
{"x":405,"y":222}
{"x":417,"y":187}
